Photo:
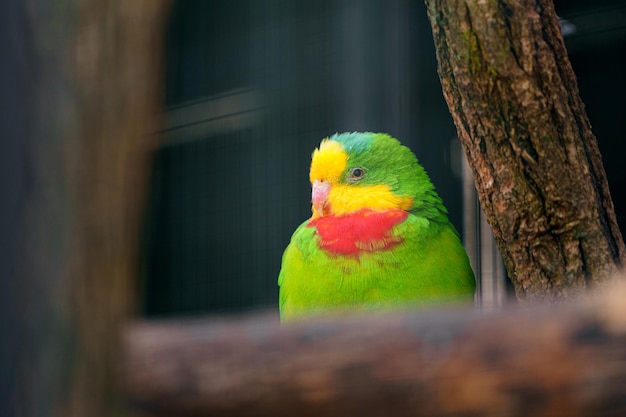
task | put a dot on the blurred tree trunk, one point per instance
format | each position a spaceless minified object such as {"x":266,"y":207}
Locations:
{"x":80,"y":95}
{"x":514,"y":99}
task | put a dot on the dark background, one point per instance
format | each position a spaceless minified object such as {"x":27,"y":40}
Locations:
{"x":253,"y":86}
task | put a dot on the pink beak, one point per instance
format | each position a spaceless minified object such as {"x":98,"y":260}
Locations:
{"x":319,"y":196}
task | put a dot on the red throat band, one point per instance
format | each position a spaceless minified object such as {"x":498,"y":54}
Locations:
{"x":362,"y":231}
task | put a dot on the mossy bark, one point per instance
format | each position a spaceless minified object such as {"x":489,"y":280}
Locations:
{"x":514,"y":99}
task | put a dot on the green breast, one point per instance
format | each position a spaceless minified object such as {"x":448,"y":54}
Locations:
{"x":425,"y":264}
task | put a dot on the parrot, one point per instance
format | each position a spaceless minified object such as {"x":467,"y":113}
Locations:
{"x":378,"y":238}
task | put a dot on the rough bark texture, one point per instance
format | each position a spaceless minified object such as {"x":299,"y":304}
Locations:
{"x":514,"y":99}
{"x":566,"y":361}
{"x":84,"y":92}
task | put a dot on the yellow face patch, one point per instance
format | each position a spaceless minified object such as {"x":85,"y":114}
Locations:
{"x":344,"y":199}
{"x":328,"y":162}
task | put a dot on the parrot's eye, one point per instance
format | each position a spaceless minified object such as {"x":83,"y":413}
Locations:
{"x":356,"y":173}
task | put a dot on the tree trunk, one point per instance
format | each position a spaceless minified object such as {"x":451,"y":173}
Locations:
{"x":514,"y":99}
{"x":568,"y":360}
{"x":80,"y":93}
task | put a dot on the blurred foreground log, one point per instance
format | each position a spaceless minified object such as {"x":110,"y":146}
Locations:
{"x":567,"y":360}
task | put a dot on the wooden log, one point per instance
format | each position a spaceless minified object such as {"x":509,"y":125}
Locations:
{"x":565,"y":360}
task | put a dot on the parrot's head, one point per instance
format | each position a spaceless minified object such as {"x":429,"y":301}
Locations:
{"x":355,"y":171}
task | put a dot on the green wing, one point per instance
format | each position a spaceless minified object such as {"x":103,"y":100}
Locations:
{"x":429,"y":266}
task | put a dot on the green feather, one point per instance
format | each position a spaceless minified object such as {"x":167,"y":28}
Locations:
{"x":428,"y":265}
{"x":389,"y":162}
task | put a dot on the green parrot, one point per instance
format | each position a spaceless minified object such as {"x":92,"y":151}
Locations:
{"x":379,"y":236}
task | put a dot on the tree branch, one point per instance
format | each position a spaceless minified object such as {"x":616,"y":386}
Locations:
{"x":568,"y":360}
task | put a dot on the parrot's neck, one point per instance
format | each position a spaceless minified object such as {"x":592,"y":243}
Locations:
{"x":355,"y":233}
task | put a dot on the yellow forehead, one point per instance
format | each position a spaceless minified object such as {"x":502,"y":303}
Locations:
{"x":328,"y":161}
